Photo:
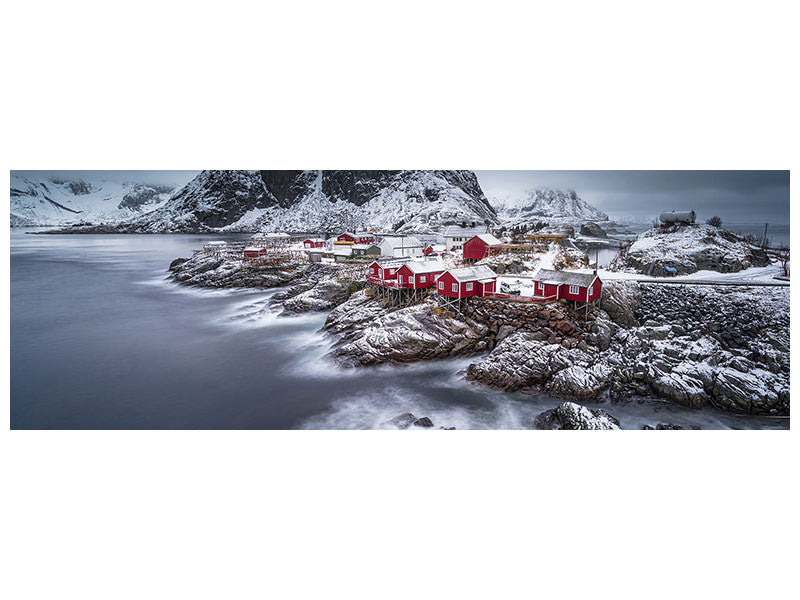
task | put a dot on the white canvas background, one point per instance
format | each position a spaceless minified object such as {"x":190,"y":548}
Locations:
{"x":478,"y":85}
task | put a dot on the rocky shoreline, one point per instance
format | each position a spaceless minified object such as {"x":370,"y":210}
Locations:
{"x":694,"y":345}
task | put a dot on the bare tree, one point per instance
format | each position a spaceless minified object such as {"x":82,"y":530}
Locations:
{"x":714,"y":221}
{"x":783,"y":257}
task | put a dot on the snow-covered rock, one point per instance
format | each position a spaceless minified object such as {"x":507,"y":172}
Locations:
{"x":569,"y":415}
{"x":523,"y":360}
{"x":414,"y":333}
{"x":48,"y":201}
{"x":320,"y":295}
{"x":204,"y":270}
{"x":689,"y":248}
{"x":620,"y":299}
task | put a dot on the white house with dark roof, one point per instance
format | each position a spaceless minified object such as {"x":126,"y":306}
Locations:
{"x":456,"y":235}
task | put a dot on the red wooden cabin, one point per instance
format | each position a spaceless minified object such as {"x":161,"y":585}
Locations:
{"x":569,"y":285}
{"x":481,"y":246}
{"x":384,"y":272}
{"x":313,"y":243}
{"x":254,"y":252}
{"x":418,"y":274}
{"x":364,"y":237}
{"x":466,"y":282}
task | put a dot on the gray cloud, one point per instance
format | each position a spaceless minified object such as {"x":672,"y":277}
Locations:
{"x":176,"y":178}
{"x":737,"y":196}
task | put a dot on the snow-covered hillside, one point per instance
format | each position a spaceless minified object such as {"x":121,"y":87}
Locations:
{"x":310,"y":201}
{"x":552,"y":206}
{"x":45,"y":201}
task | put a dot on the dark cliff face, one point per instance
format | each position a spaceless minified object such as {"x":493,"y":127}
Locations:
{"x":216,"y":199}
{"x":357,"y":187}
{"x":219,"y":198}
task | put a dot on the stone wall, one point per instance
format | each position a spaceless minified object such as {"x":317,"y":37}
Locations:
{"x":553,"y":322}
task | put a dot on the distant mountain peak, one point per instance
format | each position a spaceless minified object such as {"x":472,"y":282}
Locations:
{"x":544,"y":203}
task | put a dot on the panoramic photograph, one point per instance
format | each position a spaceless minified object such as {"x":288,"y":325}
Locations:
{"x":400,"y":300}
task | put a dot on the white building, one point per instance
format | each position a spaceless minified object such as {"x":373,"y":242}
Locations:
{"x":401,"y":246}
{"x":455,"y":235}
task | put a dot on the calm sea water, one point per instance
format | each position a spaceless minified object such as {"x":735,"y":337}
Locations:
{"x":99,"y":339}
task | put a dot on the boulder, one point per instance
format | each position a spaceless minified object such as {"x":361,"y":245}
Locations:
{"x":570,"y":415}
{"x":593,"y":230}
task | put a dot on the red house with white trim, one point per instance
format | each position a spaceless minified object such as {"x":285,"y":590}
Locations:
{"x":481,"y":246}
{"x":384,"y":272}
{"x":364,"y":237}
{"x":568,"y":285}
{"x":466,"y":282}
{"x":418,"y":274}
{"x":313,"y":243}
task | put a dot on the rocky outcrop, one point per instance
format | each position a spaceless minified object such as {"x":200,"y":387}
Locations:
{"x":697,"y":346}
{"x":569,"y":415}
{"x":522,"y":360}
{"x":408,"y":421}
{"x":620,"y":299}
{"x":371,"y":333}
{"x":207,"y":270}
{"x":314,"y":295}
{"x":689,"y":248}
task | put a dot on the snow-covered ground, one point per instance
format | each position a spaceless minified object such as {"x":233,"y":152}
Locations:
{"x":752,"y":275}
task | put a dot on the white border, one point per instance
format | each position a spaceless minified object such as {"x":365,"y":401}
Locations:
{"x":180,"y":85}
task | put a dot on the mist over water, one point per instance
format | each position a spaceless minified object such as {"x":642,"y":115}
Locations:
{"x":100,"y":339}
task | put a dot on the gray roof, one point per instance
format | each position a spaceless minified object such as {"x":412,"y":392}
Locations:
{"x":565,"y":277}
{"x":489,"y":239}
{"x":472,"y":273}
{"x":458,"y":231}
{"x":402,"y":242}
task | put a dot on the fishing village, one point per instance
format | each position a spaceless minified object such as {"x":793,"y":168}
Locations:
{"x":534,"y":309}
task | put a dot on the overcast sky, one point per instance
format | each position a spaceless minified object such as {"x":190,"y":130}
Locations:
{"x":736,"y":196}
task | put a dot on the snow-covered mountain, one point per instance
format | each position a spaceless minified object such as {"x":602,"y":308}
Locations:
{"x":553,"y":206}
{"x":43,"y":201}
{"x":310,"y":201}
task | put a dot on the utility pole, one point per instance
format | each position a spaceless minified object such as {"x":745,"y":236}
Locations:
{"x":764,"y":242}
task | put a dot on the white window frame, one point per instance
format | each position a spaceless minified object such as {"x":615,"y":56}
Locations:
{"x":392,"y":271}
{"x":469,"y":286}
{"x":422,"y":278}
{"x":399,"y":279}
{"x":589,"y":293}
{"x":540,"y":286}
{"x":454,"y":287}
{"x":574,"y":289}
{"x":441,"y":285}
{"x":411,"y":279}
